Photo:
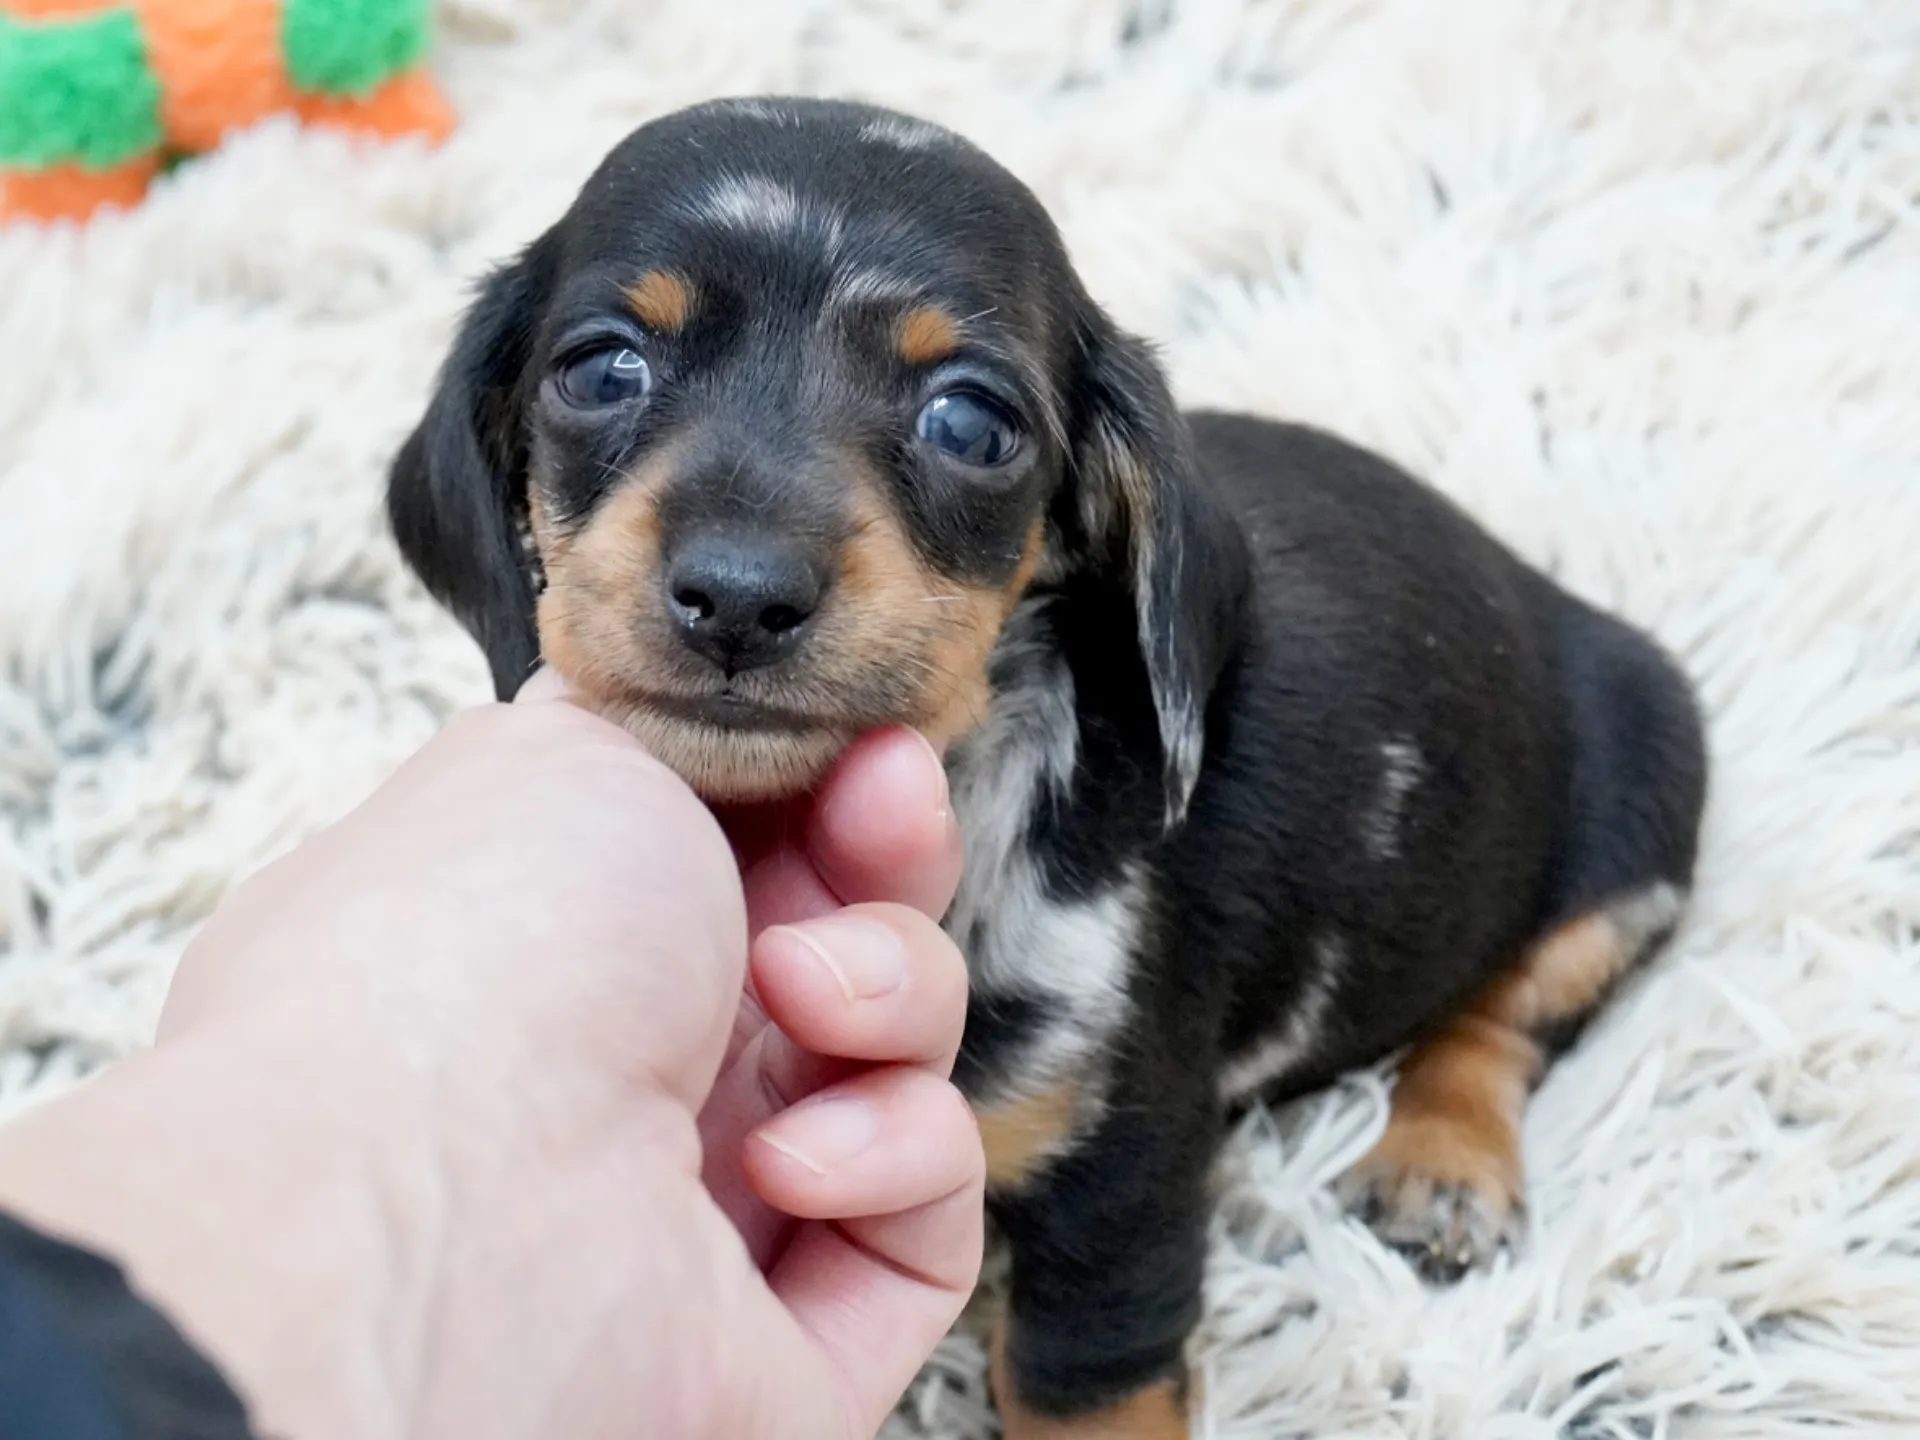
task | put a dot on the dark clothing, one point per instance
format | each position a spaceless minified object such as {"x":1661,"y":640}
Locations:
{"x":83,"y":1357}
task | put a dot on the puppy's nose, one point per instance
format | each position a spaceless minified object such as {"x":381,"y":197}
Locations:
{"x":742,"y":600}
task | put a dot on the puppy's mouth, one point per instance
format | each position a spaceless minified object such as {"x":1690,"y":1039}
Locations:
{"x":729,"y":710}
{"x":729,"y":744}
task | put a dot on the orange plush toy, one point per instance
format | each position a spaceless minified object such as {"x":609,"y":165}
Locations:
{"x":96,"y":95}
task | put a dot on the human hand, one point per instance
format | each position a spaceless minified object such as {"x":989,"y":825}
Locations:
{"x":418,"y":1150}
{"x":877,"y":849}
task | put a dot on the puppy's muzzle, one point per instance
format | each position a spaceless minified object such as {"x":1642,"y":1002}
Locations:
{"x":742,"y":599}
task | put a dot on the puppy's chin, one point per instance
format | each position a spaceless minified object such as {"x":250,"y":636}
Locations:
{"x":734,"y":764}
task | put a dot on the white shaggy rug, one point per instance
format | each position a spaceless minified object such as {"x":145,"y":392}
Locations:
{"x":1638,"y":281}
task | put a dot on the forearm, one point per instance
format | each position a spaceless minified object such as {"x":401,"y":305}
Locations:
{"x":258,"y":1252}
{"x":356,"y":1246}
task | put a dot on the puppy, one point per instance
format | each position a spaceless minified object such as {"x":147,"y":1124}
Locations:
{"x":1269,"y":761}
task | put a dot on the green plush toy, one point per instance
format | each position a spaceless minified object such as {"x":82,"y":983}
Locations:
{"x":95,"y":95}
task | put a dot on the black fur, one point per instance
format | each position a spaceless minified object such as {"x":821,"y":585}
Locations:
{"x":1311,"y":708}
{"x":1566,"y":769}
{"x":457,"y":496}
{"x":1165,"y":532}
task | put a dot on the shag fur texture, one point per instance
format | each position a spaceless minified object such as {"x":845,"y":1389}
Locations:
{"x":1637,"y":282}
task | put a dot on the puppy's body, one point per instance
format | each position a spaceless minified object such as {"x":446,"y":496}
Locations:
{"x":1268,"y":760}
{"x":1422,"y":757}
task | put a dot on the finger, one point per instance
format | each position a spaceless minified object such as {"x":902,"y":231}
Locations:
{"x":883,"y":828}
{"x":546,"y":683}
{"x":737,"y":1105}
{"x":870,"y":982}
{"x":876,"y":1320}
{"x":876,"y":1293}
{"x":888,"y":1140}
{"x":782,"y":886}
{"x":879,"y":828}
{"x":748,"y":1020}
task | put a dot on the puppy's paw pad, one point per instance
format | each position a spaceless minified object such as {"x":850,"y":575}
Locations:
{"x":1444,"y":1227}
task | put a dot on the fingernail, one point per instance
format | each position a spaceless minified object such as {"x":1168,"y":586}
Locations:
{"x":866,"y":959}
{"x":824,"y":1132}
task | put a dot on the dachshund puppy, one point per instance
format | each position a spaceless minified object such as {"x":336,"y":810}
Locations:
{"x":1269,"y":761}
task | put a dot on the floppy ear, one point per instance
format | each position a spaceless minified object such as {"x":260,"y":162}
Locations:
{"x":1145,"y":506}
{"x":456,"y":494}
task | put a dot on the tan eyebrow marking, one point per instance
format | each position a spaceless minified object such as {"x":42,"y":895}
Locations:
{"x":660,"y":300}
{"x":926,"y":333}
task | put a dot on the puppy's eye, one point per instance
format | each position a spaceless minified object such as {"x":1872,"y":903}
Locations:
{"x":603,"y":378}
{"x":971,"y":428}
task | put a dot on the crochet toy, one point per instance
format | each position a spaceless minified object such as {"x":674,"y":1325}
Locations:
{"x":96,"y":96}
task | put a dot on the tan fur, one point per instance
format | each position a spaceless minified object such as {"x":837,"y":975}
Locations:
{"x":592,"y":573}
{"x":1456,"y":1109}
{"x":925,"y":334}
{"x":1563,"y":975}
{"x":1019,"y":1134}
{"x":1457,"y":1101}
{"x":1158,"y":1412}
{"x":602,"y":623}
{"x":881,"y":581}
{"x":661,"y":301}
{"x":886,"y":586}
{"x":961,"y":658}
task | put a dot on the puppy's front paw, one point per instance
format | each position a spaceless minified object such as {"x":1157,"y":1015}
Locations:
{"x":1445,"y":1226}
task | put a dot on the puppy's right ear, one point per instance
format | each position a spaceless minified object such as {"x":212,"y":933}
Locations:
{"x":457,"y":492}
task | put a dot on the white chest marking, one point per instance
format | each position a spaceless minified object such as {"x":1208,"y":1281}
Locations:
{"x":1076,"y":955}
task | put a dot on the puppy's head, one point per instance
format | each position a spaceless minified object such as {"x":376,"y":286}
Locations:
{"x":763,"y":441}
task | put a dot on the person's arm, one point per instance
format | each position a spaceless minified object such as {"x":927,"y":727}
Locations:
{"x":425,"y":1146}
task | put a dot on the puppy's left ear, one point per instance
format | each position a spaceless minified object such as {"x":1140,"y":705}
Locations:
{"x":1144,"y":505}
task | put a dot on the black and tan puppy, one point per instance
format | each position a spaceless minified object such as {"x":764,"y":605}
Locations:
{"x":1268,"y":760}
